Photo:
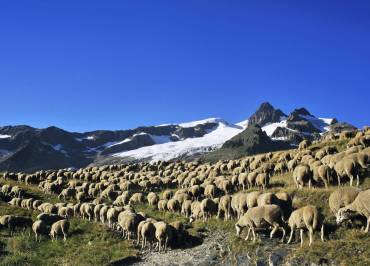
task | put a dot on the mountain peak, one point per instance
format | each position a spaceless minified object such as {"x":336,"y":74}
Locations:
{"x":301,"y":111}
{"x":265,"y":114}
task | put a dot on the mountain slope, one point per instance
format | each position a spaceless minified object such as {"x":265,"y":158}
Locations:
{"x":24,"y":148}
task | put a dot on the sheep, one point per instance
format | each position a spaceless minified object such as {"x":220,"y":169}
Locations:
{"x":347,"y":167}
{"x":341,"y":198}
{"x":210,"y":191}
{"x":173,"y":205}
{"x":261,"y":217}
{"x":324,"y":173}
{"x":196,"y":191}
{"x":167,"y":195}
{"x":361,"y":206}
{"x":147,"y":233}
{"x":262,"y":180}
{"x":67,"y":193}
{"x":60,"y":228}
{"x":239,"y":204}
{"x":252,"y":179}
{"x":13,"y":222}
{"x":129,"y":223}
{"x":243,"y":180}
{"x":49,"y":219}
{"x":152,"y":199}
{"x":301,"y":175}
{"x":186,"y":208}
{"x":267,"y":199}
{"x":307,"y":217}
{"x":66,"y":212}
{"x":162,"y":205}
{"x":224,"y":207}
{"x":208,"y":207}
{"x":137,"y":198}
{"x":163,"y":234}
{"x":39,"y":228}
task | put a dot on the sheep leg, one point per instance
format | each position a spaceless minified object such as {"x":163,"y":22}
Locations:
{"x":351,"y":180}
{"x":291,"y":235}
{"x":301,"y":232}
{"x":367,"y":226}
{"x":273,"y":231}
{"x":247,"y":237}
{"x":310,"y":231}
{"x":338,"y":181}
{"x":254,"y":235}
{"x":358,"y":180}
{"x":283,"y":237}
{"x":322,"y":232}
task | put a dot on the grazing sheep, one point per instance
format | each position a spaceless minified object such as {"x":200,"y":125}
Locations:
{"x":252,"y":179}
{"x":210,"y":191}
{"x":12,"y":222}
{"x":324,"y":173}
{"x":173,"y":205}
{"x":59,"y":228}
{"x":186,"y":208}
{"x":267,"y":198}
{"x":147,"y":233}
{"x":66,"y":212}
{"x":302,"y":175}
{"x":361,"y":206}
{"x":307,"y":217}
{"x":239,"y":203}
{"x":67,"y":193}
{"x":262,"y":181}
{"x":261,"y":217}
{"x":208,"y":207}
{"x":224,"y":207}
{"x":152,"y":199}
{"x":39,"y":228}
{"x":49,"y":219}
{"x":137,"y":198}
{"x":162,"y":205}
{"x":163,"y":234}
{"x":167,"y":195}
{"x":341,"y":198}
{"x":243,"y":180}
{"x":347,"y":167}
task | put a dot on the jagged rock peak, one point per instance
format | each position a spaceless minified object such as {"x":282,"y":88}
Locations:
{"x":265,"y":114}
{"x":301,"y":111}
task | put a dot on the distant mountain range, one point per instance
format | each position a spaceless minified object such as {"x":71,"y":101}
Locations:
{"x":24,"y":148}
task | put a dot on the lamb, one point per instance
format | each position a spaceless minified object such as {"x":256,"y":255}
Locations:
{"x":39,"y":228}
{"x":361,"y":205}
{"x":341,"y":198}
{"x":261,"y":217}
{"x":60,"y":228}
{"x":307,"y":217}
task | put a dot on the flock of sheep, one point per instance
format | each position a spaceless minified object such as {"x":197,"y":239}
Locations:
{"x":198,"y":191}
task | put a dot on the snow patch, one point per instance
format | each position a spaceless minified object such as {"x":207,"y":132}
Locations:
{"x":190,"y":146}
{"x":202,"y":122}
{"x":5,"y":136}
{"x":321,"y":124}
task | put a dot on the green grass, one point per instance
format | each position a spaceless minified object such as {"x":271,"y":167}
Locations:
{"x":88,"y":244}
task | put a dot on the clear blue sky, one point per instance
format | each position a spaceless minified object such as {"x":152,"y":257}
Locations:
{"x":84,"y":65}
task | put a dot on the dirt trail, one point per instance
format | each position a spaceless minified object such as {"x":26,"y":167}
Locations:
{"x":214,"y":250}
{"x":210,"y":252}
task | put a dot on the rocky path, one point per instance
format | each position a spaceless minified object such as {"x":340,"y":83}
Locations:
{"x":214,"y":250}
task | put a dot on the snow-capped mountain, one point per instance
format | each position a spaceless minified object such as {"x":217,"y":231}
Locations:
{"x":27,"y":149}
